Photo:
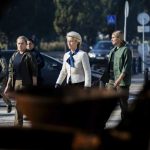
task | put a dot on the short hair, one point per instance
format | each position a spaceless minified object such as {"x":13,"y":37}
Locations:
{"x":119,"y":34}
{"x":31,"y":40}
{"x":22,"y":37}
{"x":75,"y":35}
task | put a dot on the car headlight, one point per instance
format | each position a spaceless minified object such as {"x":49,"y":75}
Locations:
{"x":107,"y":55}
{"x":92,"y":55}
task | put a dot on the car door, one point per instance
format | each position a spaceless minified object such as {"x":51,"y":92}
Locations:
{"x":50,"y":71}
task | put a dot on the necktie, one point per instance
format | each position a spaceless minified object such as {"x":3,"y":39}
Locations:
{"x":70,"y":60}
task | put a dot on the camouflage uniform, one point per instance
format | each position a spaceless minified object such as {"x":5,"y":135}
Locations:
{"x":3,"y":79}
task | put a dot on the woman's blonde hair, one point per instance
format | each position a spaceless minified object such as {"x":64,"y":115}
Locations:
{"x":75,"y":35}
{"x":119,"y":34}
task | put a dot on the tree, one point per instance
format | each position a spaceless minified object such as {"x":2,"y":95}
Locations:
{"x":28,"y":18}
{"x":84,"y":17}
{"x":49,"y":19}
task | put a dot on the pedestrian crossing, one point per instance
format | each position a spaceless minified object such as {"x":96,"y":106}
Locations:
{"x":114,"y":118}
{"x":7,"y":119}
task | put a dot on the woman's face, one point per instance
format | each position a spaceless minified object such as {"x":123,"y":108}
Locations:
{"x":115,"y":40}
{"x":72,"y":43}
{"x":21,"y":45}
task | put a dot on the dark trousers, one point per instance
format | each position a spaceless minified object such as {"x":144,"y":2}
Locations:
{"x":123,"y":90}
{"x":123,"y":100}
{"x":80,"y":84}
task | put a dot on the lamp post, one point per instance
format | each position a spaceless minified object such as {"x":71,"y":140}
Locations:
{"x":126,"y":13}
{"x":143,"y":37}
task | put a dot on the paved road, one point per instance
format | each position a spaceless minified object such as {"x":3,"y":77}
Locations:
{"x":136,"y":86}
{"x":7,"y":119}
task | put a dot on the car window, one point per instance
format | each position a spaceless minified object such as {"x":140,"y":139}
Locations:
{"x":51,"y":64}
{"x":50,"y":71}
{"x":103,"y":45}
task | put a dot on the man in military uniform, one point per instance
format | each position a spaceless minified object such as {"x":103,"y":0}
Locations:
{"x":3,"y":80}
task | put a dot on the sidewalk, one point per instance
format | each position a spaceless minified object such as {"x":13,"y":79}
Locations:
{"x":137,"y":82}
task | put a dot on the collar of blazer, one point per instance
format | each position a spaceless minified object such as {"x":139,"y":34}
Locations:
{"x":68,"y":54}
{"x":70,"y":59}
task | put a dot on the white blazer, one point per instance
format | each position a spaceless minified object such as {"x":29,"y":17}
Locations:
{"x":80,"y":73}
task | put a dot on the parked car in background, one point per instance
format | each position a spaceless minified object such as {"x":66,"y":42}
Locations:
{"x":99,"y":52}
{"x":51,"y":69}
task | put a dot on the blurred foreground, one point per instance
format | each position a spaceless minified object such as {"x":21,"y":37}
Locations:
{"x":137,"y":83}
{"x":116,"y":134}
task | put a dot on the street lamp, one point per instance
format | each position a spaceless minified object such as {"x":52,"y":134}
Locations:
{"x":126,"y":13}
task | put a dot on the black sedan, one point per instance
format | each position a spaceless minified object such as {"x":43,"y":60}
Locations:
{"x":51,"y":69}
{"x":99,"y":52}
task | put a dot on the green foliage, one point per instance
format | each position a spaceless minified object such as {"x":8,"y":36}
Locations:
{"x":52,"y":19}
{"x":28,"y":17}
{"x":83,"y":17}
{"x":52,"y":46}
{"x":3,"y":41}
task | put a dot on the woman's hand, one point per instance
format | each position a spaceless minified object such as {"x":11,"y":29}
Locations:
{"x":57,"y":85}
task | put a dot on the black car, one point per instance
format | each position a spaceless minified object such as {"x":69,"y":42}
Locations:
{"x":99,"y":52}
{"x":51,"y":69}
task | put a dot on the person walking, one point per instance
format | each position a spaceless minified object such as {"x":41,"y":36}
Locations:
{"x":76,"y":66}
{"x":22,"y":73}
{"x":39,"y":58}
{"x":3,"y":80}
{"x":119,"y":69}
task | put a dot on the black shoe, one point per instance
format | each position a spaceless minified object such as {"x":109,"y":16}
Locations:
{"x":9,"y":108}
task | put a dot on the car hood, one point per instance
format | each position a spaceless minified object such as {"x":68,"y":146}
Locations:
{"x":98,"y":51}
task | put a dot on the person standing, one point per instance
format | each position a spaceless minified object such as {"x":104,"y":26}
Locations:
{"x":3,"y":80}
{"x":76,"y":66}
{"x":119,"y":69}
{"x":38,"y":57}
{"x":22,"y":73}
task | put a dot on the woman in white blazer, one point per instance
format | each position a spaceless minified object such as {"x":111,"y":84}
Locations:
{"x":76,"y":66}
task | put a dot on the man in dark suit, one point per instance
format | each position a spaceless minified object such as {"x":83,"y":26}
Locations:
{"x":38,"y":57}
